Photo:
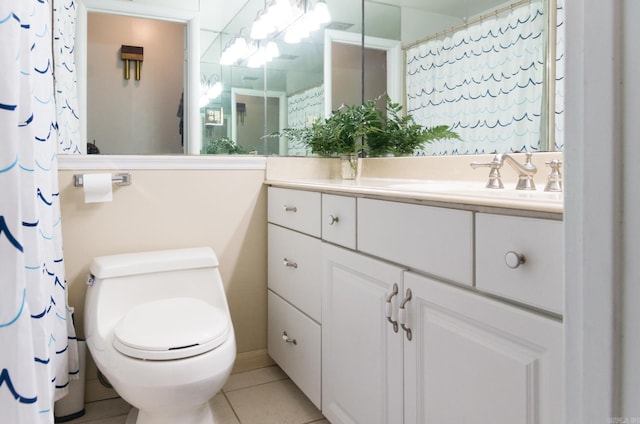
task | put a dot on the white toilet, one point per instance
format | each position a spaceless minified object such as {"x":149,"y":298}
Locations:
{"x":158,"y":327}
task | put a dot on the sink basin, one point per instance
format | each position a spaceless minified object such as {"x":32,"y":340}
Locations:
{"x":476,"y":189}
{"x":435,"y":185}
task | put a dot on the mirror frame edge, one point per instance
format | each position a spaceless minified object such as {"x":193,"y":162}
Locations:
{"x":191,"y":19}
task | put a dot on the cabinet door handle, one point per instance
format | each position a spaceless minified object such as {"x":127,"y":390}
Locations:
{"x":287,"y":339}
{"x":333,"y":219}
{"x":389,"y":308}
{"x":287,"y":263}
{"x":402,"y":315}
{"x":290,"y":208}
{"x":514,"y":259}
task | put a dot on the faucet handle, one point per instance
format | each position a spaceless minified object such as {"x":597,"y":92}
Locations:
{"x":495,"y":179}
{"x":555,"y":178}
{"x":528,"y":164}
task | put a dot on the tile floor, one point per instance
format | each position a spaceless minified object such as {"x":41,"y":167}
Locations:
{"x":260,"y":396}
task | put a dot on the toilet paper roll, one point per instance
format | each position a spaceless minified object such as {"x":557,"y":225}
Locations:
{"x":97,"y":188}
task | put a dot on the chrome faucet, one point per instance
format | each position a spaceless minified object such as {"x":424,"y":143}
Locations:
{"x":525,"y":171}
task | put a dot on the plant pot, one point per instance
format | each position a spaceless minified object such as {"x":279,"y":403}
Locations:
{"x":349,"y":166}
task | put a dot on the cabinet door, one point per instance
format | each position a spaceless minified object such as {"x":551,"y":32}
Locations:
{"x":477,"y":360}
{"x":361,"y":353}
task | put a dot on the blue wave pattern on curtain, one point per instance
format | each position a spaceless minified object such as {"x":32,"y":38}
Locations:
{"x":484,"y":81}
{"x":304,"y":108}
{"x":66,"y":93}
{"x":38,"y":350}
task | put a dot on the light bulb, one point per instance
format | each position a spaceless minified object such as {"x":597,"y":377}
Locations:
{"x":321,"y":12}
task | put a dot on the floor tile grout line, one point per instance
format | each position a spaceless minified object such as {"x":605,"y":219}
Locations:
{"x":255,"y":385}
{"x":232,"y":408}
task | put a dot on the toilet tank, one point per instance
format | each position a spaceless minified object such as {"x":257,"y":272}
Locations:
{"x":119,"y":282}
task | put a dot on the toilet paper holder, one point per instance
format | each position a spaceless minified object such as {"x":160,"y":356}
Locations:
{"x":121,"y":179}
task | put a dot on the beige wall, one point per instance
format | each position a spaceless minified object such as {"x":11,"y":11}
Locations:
{"x":224,"y":209}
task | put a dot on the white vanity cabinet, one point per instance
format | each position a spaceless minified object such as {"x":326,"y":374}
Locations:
{"x":425,"y":316}
{"x":294,"y":287}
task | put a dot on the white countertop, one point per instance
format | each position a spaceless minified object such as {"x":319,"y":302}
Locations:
{"x":448,"y":191}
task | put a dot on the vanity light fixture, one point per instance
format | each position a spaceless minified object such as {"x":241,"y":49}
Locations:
{"x":276,"y":16}
{"x":321,"y":12}
{"x":263,"y":54}
{"x":298,"y":20}
{"x":238,"y":49}
{"x":311,"y":20}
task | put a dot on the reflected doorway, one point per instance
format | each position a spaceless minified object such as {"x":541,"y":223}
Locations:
{"x":346,"y":60}
{"x":255,"y":113}
{"x":383,"y":69}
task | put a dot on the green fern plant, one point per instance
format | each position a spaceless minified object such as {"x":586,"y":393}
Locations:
{"x":367,"y":129}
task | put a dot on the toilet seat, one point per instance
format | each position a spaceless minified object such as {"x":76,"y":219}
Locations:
{"x":173,"y":328}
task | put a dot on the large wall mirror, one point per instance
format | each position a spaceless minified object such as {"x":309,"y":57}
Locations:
{"x":283,"y":80}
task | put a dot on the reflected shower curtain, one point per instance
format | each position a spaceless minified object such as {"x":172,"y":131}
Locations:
{"x":485,"y":81}
{"x":38,"y":352}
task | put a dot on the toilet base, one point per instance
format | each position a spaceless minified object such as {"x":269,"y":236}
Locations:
{"x":200,"y":415}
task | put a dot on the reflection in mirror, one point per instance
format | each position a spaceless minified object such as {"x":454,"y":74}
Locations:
{"x":139,"y":115}
{"x":496,"y":125}
{"x":151,"y":122}
{"x":486,"y":78}
{"x":257,"y":113}
{"x":343,"y":65}
{"x":299,"y":69}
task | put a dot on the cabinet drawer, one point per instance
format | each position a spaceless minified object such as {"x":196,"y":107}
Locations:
{"x":300,"y":360}
{"x":294,"y":270}
{"x":434,"y":240}
{"x":295,"y":209}
{"x":539,"y":280}
{"x":339,"y":220}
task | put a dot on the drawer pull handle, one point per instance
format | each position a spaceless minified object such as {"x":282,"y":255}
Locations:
{"x":514,"y":259}
{"x":289,"y":264}
{"x":287,"y":339}
{"x":333,"y":219}
{"x":389,"y":308}
{"x":402,"y":315}
{"x":290,"y":209}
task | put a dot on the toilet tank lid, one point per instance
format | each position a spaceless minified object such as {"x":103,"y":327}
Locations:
{"x":156,"y":261}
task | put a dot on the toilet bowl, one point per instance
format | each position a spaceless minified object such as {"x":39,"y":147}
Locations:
{"x":158,"y":327}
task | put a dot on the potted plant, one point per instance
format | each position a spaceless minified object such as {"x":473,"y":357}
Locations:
{"x":339,"y":135}
{"x":367,"y":129}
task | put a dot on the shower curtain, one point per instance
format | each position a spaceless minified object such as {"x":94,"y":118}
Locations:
{"x":484,"y":81}
{"x":38,"y":351}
